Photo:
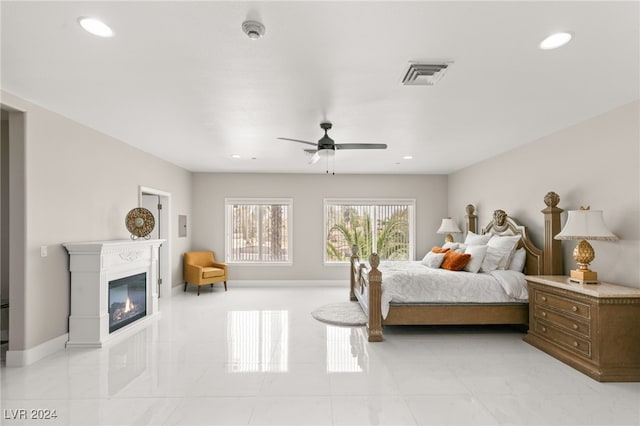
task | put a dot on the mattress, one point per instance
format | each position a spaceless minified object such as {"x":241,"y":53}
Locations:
{"x":412,"y":282}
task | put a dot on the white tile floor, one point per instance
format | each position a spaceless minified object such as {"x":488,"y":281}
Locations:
{"x":255,"y":356}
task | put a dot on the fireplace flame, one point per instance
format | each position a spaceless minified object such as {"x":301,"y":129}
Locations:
{"x":128,"y":306}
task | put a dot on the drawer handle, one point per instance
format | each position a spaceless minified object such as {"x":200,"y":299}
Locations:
{"x":544,"y":299}
{"x":544,"y":314}
{"x":544,"y":329}
{"x":574,"y":309}
{"x":575,"y":344}
{"x":575,"y":326}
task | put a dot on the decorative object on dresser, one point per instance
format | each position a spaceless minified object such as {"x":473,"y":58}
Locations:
{"x":594,"y":329}
{"x":585,"y":224}
{"x":404,"y":303}
{"x":140,"y":223}
{"x":448,"y":226}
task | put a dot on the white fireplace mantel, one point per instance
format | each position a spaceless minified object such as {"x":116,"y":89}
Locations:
{"x":92,"y":265}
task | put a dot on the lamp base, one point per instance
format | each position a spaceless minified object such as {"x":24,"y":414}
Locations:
{"x":582,"y":276}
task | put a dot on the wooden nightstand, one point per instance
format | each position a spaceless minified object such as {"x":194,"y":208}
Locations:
{"x":593,"y":328}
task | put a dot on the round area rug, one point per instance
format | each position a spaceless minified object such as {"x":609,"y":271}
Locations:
{"x":342,"y":313}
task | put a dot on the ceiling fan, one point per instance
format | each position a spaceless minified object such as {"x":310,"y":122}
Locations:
{"x":326,"y":145}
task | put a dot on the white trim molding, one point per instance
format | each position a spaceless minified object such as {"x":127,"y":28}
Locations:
{"x":29,"y":356}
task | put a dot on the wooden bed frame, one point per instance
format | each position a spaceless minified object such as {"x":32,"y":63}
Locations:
{"x":547,"y":261}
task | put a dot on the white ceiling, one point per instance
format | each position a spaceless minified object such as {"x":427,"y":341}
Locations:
{"x":182,"y":81}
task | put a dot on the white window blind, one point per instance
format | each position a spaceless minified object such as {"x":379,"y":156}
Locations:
{"x":258,"y":230}
{"x":385,"y":227}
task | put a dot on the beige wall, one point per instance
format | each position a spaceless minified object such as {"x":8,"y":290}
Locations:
{"x":80,"y":184}
{"x":308,"y":193}
{"x":594,"y":163}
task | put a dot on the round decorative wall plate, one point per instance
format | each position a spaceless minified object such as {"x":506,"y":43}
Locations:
{"x":140,"y":223}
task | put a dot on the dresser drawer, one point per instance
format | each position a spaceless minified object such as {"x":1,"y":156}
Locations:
{"x":563,"y":304}
{"x":561,"y":321}
{"x":572,"y":343}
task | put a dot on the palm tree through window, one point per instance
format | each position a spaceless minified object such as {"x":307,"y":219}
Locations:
{"x":385,"y":227}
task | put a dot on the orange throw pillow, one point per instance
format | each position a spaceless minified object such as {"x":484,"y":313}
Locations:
{"x":439,"y":250}
{"x":455,"y":261}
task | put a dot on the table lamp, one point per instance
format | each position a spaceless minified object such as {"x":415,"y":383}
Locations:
{"x":583,"y":225}
{"x":448,"y":226}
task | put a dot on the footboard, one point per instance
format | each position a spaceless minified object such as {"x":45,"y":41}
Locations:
{"x":366,"y":288}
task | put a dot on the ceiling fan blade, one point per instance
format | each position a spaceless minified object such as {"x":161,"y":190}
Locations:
{"x":361,"y":146}
{"x":298,"y":140}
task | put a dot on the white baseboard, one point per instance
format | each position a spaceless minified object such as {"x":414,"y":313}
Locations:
{"x":275,"y":283}
{"x":177,"y":289}
{"x":288,"y":283}
{"x":31,"y":355}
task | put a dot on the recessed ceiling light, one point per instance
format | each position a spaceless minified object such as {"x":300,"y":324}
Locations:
{"x":555,"y":40}
{"x":235,"y":156}
{"x":408,"y":157}
{"x":95,"y":27}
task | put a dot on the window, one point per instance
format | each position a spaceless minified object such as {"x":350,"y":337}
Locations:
{"x":385,"y":227}
{"x":258,"y":230}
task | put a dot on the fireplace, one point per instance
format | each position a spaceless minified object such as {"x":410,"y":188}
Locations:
{"x":113,"y":289}
{"x":127,"y":300}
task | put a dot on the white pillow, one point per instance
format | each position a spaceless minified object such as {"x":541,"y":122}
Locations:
{"x":474,"y":239}
{"x":504,"y":246}
{"x":477,"y":256}
{"x":451,"y":246}
{"x":491,"y":260}
{"x":518,"y":260}
{"x":433,"y":260}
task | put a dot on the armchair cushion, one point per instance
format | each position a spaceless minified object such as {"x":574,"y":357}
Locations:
{"x":210,"y":272}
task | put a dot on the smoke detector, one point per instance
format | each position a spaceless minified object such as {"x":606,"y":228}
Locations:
{"x":424,"y":74}
{"x":253,"y":29}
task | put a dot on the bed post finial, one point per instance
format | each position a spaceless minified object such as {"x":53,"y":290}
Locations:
{"x":552,"y":248}
{"x":374,"y":260}
{"x":471,"y":218}
{"x":551,"y":199}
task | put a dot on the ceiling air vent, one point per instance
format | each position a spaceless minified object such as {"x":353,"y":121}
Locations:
{"x":424,"y":74}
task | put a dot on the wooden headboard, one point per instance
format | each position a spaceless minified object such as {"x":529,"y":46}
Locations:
{"x":545,"y":261}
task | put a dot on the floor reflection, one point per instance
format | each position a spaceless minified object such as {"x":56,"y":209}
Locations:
{"x":258,"y":341}
{"x":346,"y":350}
{"x":127,"y":361}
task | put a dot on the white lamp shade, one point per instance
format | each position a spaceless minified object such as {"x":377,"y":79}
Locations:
{"x":448,"y":226}
{"x":585,"y":225}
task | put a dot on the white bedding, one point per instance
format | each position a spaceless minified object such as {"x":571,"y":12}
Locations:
{"x":412,"y":282}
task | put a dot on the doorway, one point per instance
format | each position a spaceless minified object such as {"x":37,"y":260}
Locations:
{"x":159,"y":204}
{"x":12,"y":232}
{"x":4,"y":231}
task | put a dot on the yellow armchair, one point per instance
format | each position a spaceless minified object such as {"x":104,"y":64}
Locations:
{"x":200,"y":268}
